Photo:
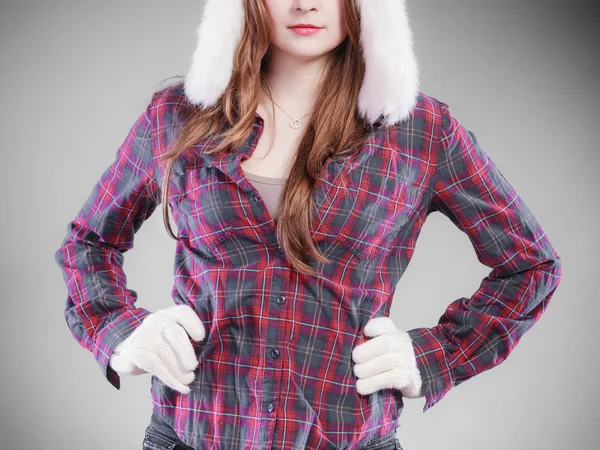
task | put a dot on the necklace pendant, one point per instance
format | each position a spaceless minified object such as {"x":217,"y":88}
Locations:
{"x":295,"y":124}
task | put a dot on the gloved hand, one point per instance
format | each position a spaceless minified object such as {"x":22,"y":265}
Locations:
{"x":161,"y":346}
{"x":386,"y":361}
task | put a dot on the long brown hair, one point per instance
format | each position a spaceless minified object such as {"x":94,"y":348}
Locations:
{"x":334,"y":129}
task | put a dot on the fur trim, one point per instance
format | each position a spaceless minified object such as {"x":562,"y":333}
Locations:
{"x":390,"y":85}
{"x":219,"y":34}
{"x":391,"y":82}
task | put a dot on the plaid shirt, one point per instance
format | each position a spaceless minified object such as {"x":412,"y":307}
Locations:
{"x":275,"y":368}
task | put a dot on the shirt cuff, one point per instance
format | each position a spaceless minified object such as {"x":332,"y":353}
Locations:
{"x":432,"y":364}
{"x":116,"y":331}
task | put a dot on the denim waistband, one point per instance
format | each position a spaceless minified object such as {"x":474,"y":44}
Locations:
{"x":165,"y":431}
{"x":159,"y":433}
{"x":385,"y":442}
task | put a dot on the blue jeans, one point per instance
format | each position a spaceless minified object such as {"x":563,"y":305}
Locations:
{"x":387,"y":442}
{"x":160,"y":436}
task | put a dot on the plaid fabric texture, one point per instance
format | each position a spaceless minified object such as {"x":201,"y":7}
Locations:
{"x":275,"y":368}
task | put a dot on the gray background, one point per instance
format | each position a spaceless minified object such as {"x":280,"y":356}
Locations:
{"x":523,"y":75}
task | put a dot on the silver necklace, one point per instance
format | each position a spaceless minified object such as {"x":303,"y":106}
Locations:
{"x":295,"y":123}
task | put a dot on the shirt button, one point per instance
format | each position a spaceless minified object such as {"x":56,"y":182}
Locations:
{"x":274,"y":353}
{"x":281,"y":299}
{"x":271,"y":407}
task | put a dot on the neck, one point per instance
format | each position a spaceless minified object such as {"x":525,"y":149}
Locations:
{"x":293,"y":83}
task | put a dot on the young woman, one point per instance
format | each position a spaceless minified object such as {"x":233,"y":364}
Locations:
{"x":299,"y":161}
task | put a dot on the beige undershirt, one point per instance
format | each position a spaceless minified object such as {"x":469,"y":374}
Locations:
{"x":270,"y":189}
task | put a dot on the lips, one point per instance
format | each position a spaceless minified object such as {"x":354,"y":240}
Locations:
{"x":306,"y":26}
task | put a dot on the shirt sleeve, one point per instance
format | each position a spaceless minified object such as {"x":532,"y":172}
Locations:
{"x":100,"y":310}
{"x":477,"y":333}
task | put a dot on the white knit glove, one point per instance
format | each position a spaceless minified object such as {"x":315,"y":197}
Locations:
{"x":386,"y":361}
{"x":161,"y":346}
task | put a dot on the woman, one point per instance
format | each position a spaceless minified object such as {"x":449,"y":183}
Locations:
{"x":299,"y":164}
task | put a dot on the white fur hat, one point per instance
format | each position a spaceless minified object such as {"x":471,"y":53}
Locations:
{"x":390,"y":85}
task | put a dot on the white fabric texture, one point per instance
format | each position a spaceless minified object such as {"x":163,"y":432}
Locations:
{"x":387,"y":361}
{"x":161,"y":345}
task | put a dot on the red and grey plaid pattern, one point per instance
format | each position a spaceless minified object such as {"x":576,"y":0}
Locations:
{"x":275,"y":368}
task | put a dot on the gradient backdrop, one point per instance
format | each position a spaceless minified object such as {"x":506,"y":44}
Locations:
{"x":523,"y":75}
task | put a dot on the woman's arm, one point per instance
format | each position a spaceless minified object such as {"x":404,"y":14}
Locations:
{"x":477,"y":333}
{"x":100,"y":310}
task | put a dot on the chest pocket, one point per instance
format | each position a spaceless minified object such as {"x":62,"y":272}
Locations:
{"x":376,"y":208}
{"x":198,"y":211}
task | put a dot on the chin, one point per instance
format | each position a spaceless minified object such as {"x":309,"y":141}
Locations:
{"x":309,"y":51}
